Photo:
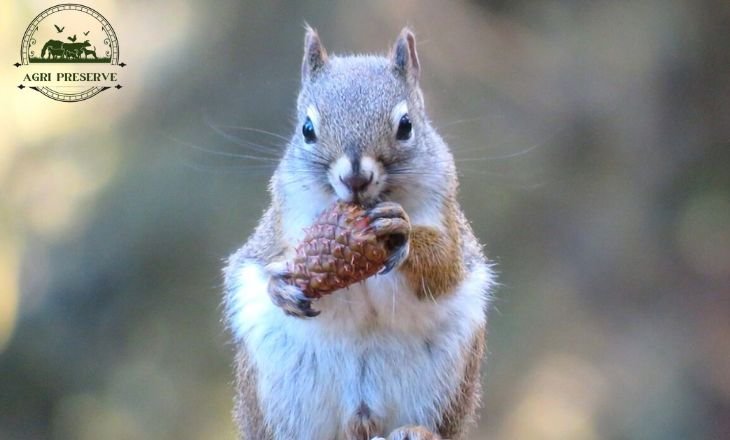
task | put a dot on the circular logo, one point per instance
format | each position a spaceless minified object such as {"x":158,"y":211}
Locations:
{"x":70,"y":53}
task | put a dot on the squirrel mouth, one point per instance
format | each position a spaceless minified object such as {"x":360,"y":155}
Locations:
{"x":359,"y":191}
{"x":365,"y":202}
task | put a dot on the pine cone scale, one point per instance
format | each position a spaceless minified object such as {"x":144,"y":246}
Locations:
{"x":338,"y":250}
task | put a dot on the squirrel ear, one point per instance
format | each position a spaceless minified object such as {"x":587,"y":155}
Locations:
{"x":315,"y":55}
{"x":404,"y":56}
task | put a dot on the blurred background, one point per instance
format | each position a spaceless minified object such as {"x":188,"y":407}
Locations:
{"x":593,"y":142}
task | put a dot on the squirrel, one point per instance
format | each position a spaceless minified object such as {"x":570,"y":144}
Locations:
{"x":398,"y":355}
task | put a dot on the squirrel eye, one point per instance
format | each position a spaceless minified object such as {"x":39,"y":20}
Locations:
{"x":308,"y":131}
{"x":404,"y":128}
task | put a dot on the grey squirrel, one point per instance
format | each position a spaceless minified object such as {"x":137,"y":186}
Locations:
{"x":397,"y":355}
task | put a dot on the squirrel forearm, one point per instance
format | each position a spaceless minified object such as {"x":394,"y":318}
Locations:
{"x":434,"y":266}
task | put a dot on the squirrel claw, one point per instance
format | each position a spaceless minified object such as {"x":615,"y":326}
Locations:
{"x":387,"y":210}
{"x":389,"y":220}
{"x":291,"y":299}
{"x":389,"y":265}
{"x":303,"y":310}
{"x":398,"y":256}
{"x":390,"y":226}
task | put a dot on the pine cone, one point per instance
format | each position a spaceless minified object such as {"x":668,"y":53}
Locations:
{"x":338,"y":250}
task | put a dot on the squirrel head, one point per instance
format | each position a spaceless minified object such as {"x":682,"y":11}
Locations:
{"x":362,"y":132}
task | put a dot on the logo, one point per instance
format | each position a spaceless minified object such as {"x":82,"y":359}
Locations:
{"x":69,"y":53}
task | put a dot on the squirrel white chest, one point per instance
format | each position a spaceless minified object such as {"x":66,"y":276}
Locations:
{"x":374,"y":343}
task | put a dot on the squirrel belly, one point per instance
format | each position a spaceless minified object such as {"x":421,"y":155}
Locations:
{"x":378,"y":348}
{"x":399,"y":352}
{"x":375,"y":346}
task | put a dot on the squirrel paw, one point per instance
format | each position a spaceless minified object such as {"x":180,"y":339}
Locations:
{"x":288,"y":297}
{"x":413,"y":433}
{"x":389,"y":220}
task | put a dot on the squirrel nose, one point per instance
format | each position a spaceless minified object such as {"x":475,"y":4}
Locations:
{"x":357,"y":182}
